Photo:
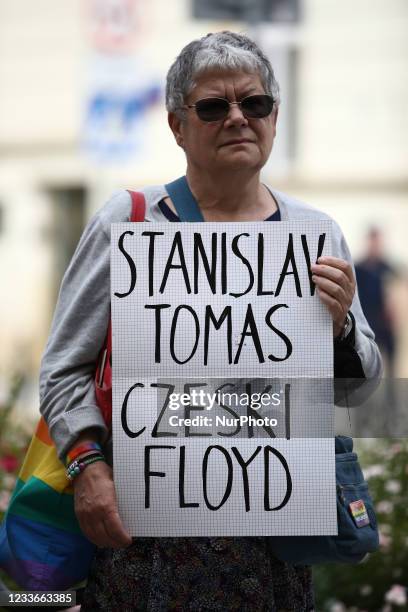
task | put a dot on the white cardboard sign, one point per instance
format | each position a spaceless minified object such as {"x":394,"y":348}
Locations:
{"x":213,"y":309}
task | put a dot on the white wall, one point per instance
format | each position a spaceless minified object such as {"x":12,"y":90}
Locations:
{"x":354,"y":92}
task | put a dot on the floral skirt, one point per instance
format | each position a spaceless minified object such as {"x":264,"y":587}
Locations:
{"x":220,"y":574}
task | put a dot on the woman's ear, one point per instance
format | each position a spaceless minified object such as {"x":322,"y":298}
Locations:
{"x":175,"y":124}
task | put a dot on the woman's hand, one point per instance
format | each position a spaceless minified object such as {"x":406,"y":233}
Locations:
{"x":335,"y":284}
{"x":96,"y":507}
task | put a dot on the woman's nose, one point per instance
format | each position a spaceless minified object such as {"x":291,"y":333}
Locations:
{"x":235,"y":115}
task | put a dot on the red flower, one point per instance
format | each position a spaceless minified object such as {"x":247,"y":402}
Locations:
{"x":9,"y":463}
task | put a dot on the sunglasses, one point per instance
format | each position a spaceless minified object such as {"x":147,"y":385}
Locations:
{"x":217,"y":109}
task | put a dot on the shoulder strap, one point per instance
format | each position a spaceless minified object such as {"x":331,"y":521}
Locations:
{"x":183,"y":200}
{"x":138,"y":206}
{"x":137,"y":215}
{"x":103,"y":374}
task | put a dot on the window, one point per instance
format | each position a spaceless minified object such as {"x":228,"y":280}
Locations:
{"x":68,"y":220}
{"x":252,"y":11}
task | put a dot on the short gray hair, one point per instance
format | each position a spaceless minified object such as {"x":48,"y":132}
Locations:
{"x":224,"y":50}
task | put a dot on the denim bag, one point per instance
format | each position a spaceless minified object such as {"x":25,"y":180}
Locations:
{"x":357,"y":524}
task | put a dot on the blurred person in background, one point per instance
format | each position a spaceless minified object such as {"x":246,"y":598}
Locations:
{"x":374,"y":273}
{"x":222,"y":100}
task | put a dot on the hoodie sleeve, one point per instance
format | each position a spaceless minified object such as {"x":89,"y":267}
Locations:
{"x":78,"y":331}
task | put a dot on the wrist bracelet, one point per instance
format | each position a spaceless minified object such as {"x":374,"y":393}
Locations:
{"x":84,"y":455}
{"x":90,"y":455}
{"x":80,"y":450}
{"x":82,"y":459}
{"x":77,"y":467}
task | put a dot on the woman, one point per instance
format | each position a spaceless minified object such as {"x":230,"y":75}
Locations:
{"x":222,"y":100}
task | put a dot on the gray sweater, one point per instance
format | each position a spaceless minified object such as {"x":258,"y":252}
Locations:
{"x":67,"y":397}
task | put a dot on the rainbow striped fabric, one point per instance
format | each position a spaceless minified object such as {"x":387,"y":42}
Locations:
{"x":41,"y":544}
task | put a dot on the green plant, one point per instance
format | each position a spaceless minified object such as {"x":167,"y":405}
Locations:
{"x":13,"y":445}
{"x":380,"y":581}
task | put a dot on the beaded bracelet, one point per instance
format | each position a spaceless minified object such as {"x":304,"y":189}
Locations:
{"x":77,"y":467}
{"x":82,"y":458}
{"x":80,"y":450}
{"x":89,"y":453}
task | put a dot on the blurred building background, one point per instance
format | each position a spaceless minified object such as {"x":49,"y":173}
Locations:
{"x":82,"y":114}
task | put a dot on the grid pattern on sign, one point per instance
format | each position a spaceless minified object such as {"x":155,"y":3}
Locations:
{"x":304,"y":321}
{"x":311,"y":509}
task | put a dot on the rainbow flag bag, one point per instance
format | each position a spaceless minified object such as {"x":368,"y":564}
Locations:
{"x":42,"y":547}
{"x":41,"y":543}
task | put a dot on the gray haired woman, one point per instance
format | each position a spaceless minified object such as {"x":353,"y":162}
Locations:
{"x":222,"y":100}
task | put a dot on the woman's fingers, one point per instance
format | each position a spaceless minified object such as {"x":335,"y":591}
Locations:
{"x":93,"y":526}
{"x":96,"y":507}
{"x":117,"y":533}
{"x":95,"y":532}
{"x":334,"y":306}
{"x":335,"y":283}
{"x":338,"y":264}
{"x":337,"y":292}
{"x":337,"y":271}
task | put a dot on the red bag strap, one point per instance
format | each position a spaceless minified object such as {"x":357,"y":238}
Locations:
{"x":137,"y":214}
{"x":138,"y":206}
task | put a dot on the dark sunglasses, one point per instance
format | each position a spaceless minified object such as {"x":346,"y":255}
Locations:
{"x":216,"y":109}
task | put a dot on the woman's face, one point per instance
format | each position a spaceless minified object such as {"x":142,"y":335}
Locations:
{"x":235,"y":143}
